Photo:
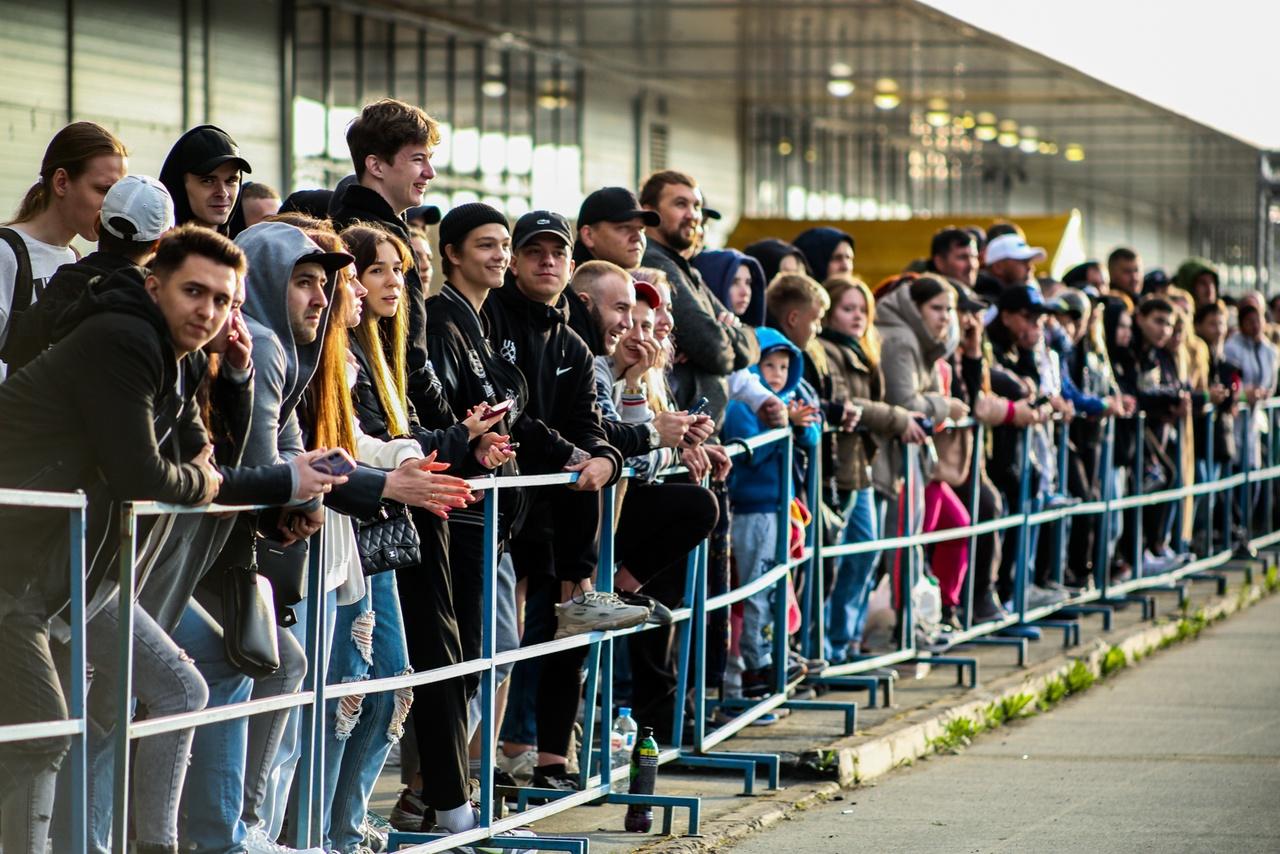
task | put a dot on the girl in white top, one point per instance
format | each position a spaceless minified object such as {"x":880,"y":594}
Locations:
{"x":81,"y":163}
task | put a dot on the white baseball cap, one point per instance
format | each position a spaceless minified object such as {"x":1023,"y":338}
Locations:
{"x":137,"y":208}
{"x":1013,"y":246}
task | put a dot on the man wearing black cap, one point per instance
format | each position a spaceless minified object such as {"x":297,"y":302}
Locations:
{"x":391,"y":143}
{"x":711,"y":342}
{"x":611,"y":227}
{"x":202,"y":173}
{"x":1087,"y":276}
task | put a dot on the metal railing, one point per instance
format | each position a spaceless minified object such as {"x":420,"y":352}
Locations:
{"x":598,"y":778}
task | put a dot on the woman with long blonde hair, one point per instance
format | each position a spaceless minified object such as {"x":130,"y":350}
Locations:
{"x":851,"y":343}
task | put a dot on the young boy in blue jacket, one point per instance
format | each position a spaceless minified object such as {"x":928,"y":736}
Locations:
{"x":755,"y":489}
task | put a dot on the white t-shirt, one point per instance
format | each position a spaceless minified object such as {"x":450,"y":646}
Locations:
{"x":46,"y":258}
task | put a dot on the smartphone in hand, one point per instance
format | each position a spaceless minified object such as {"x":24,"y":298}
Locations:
{"x":337,"y":463}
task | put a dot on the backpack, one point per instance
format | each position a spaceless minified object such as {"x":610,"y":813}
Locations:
{"x":23,"y":285}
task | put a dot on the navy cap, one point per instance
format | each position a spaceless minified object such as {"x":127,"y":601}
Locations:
{"x":614,"y":204}
{"x":1024,"y":298}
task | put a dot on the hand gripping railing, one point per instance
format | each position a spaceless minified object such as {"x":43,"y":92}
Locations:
{"x":76,"y":726}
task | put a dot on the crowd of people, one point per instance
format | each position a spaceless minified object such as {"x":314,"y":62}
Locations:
{"x":225,"y":346}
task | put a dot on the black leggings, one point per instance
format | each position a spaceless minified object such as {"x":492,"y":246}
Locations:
{"x":431,"y":632}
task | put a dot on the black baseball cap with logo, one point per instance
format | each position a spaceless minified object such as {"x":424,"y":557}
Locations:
{"x":534,"y":223}
{"x":207,"y":147}
{"x":614,"y":204}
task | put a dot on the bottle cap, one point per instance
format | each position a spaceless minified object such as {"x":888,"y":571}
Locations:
{"x":624,"y":711}
{"x":647,"y":732}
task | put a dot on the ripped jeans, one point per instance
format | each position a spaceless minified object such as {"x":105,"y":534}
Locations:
{"x":368,"y":643}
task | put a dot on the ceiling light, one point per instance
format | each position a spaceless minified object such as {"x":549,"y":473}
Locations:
{"x":1008,"y":125}
{"x":785,"y":147}
{"x":1074,"y":152}
{"x":841,"y":69}
{"x":985,"y":118}
{"x":886,"y":97}
{"x":840,"y":87}
{"x":968,"y":122}
{"x":1008,"y":139}
{"x":937,"y":114}
{"x":493,"y":88}
{"x":986,"y":133}
{"x":1029,"y":143}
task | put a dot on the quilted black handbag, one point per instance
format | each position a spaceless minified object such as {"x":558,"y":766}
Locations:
{"x":389,"y":540}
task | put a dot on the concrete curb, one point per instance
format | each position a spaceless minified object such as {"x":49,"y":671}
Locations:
{"x":908,"y":737}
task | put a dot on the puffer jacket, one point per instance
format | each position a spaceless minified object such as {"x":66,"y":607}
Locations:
{"x":910,"y":366}
{"x":859,"y":380}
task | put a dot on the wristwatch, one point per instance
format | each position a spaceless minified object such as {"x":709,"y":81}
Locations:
{"x":655,"y":438}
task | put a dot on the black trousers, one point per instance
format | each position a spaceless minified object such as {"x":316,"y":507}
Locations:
{"x":431,"y":632}
{"x":658,"y":527}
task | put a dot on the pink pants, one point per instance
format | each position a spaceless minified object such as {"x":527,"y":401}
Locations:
{"x":942,"y":510}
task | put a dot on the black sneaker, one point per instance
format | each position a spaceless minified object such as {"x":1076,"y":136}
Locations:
{"x":658,"y":613}
{"x":559,"y":782}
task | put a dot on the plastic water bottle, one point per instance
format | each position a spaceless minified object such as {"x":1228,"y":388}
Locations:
{"x":644,"y":779}
{"x":622,"y":738}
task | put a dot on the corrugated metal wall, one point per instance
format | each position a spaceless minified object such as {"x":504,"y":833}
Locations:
{"x":128,"y":74}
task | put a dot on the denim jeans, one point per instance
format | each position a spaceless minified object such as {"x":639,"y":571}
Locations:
{"x":360,"y":729}
{"x":28,"y":768}
{"x":280,"y":777}
{"x":165,"y":681}
{"x":230,"y":760}
{"x":755,"y":544}
{"x":855,"y":577}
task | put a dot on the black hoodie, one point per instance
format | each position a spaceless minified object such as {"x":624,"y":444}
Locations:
{"x":560,"y":371}
{"x":106,"y":410}
{"x":32,"y":330}
{"x":174,"y":177}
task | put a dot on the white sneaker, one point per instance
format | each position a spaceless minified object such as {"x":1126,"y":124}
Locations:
{"x":483,"y":849}
{"x":595,"y":611}
{"x":1153,"y":564}
{"x":520,"y":766}
{"x":1038,"y":597}
{"x":256,"y":841}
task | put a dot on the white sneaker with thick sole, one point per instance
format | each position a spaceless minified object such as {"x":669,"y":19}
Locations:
{"x":256,"y":841}
{"x":506,"y":834}
{"x":520,"y":766}
{"x":1038,"y":596}
{"x":594,"y":611}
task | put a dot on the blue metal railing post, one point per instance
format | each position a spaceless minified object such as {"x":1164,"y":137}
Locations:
{"x":812,"y":620}
{"x":1246,"y":466}
{"x":604,"y":583}
{"x":975,"y":498}
{"x":1180,"y":504}
{"x":124,"y":689}
{"x":1060,"y":526}
{"x":1139,"y":476}
{"x":1210,"y":443}
{"x":781,"y":556}
{"x":907,"y":574}
{"x":488,"y":687}
{"x":1023,"y":541}
{"x":77,"y":759}
{"x":307,"y":818}
{"x":1102,"y":548}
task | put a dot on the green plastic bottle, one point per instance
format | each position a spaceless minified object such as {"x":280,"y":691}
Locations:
{"x":644,"y":779}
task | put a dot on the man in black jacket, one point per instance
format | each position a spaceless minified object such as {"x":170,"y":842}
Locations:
{"x":203,"y":173}
{"x":391,"y":144}
{"x":136,"y":211}
{"x":554,"y":553}
{"x":707,"y":334}
{"x":118,"y":359}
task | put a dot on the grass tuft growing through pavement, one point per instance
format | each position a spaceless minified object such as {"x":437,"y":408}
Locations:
{"x":1114,"y":660}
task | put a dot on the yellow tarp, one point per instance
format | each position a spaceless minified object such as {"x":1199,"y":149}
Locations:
{"x":886,"y":247}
